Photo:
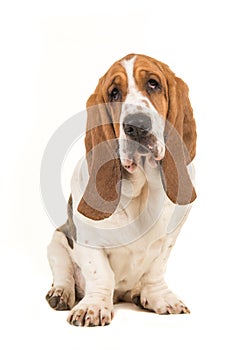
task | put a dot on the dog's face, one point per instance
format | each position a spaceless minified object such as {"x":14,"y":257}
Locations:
{"x":137,"y":90}
{"x":143,"y":114}
{"x":139,"y":110}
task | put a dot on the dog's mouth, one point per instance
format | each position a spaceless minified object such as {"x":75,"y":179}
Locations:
{"x":153,"y":152}
{"x":129,"y":165}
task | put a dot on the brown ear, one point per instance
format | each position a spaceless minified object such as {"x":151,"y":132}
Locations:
{"x":180,"y":139}
{"x":101,"y":195}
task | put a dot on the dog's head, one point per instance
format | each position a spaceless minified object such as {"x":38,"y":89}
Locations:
{"x":139,"y":109}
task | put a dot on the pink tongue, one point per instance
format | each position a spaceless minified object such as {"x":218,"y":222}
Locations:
{"x":129,"y":165}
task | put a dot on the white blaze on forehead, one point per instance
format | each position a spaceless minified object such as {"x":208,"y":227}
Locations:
{"x":136,"y":103}
{"x":134,"y":96}
{"x":129,"y":66}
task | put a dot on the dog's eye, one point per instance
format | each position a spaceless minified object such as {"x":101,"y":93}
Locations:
{"x":115,"y":95}
{"x":153,"y":85}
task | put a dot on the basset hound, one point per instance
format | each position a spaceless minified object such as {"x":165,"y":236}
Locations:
{"x":130,"y":196}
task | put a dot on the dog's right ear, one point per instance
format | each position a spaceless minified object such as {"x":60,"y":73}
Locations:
{"x":102,"y":193}
{"x":180,"y":140}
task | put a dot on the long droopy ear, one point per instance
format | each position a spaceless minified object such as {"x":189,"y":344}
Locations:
{"x":180,"y":139}
{"x":102,"y":192}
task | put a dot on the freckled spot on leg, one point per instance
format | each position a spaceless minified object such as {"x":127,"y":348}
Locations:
{"x":89,"y":262}
{"x":90,"y":312}
{"x":80,"y":313}
{"x":103,"y":299}
{"x":106,"y":308}
{"x":94,"y":272}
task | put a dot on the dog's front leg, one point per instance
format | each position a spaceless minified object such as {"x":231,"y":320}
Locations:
{"x":155,"y":294}
{"x":96,"y":308}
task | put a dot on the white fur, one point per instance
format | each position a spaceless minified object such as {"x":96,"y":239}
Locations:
{"x":126,"y":254}
{"x":136,"y":267}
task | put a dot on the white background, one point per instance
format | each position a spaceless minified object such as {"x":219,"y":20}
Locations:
{"x":52,"y":55}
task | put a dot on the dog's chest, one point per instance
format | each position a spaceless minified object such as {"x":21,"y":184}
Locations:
{"x":130,"y":262}
{"x":136,"y":234}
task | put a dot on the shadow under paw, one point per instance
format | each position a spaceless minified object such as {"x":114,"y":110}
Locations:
{"x":136,"y":299}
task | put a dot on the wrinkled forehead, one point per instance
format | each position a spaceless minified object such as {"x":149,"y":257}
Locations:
{"x":147,"y":63}
{"x":140,"y":66}
{"x":146,"y":67}
{"x":115,"y":74}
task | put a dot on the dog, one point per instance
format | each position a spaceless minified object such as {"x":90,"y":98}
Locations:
{"x":130,"y":196}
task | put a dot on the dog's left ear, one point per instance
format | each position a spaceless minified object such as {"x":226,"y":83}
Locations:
{"x":180,"y":139}
{"x":102,"y":192}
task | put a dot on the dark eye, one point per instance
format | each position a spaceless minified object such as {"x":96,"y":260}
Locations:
{"x":152,"y":85}
{"x":115,"y":95}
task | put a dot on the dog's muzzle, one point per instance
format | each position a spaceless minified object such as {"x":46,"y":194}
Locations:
{"x":140,"y":139}
{"x":137,"y":127}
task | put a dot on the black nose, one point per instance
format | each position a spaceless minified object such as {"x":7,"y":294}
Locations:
{"x":137,"y":126}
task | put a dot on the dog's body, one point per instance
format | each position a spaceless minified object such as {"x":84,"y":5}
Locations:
{"x":116,"y":247}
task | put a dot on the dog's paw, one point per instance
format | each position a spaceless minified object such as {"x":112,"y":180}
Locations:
{"x":61,"y":298}
{"x":163,"y":303}
{"x":99,"y":313}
